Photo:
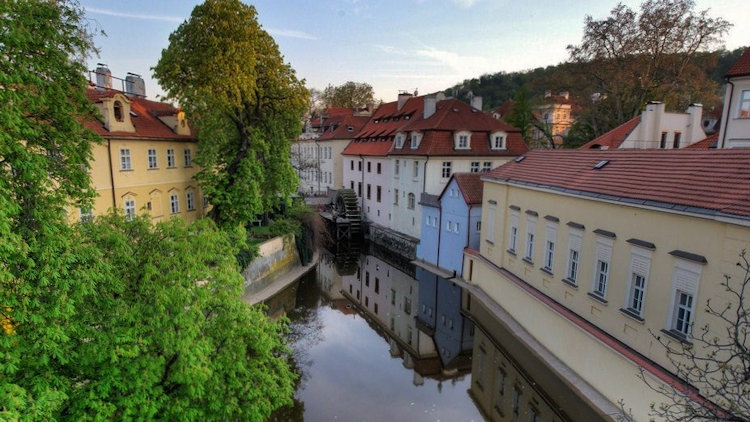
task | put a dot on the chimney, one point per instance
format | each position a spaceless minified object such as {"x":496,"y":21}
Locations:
{"x":430,"y":104}
{"x":103,"y":77}
{"x":651,"y":124}
{"x":134,"y":85}
{"x":476,"y":102}
{"x":547,"y":93}
{"x":402,"y":97}
{"x":695,"y":123}
{"x":565,"y":94}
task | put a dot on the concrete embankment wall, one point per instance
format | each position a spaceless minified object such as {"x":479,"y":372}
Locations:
{"x":276,"y":257}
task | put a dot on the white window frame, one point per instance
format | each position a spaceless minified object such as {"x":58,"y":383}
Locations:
{"x":513,"y":231}
{"x":446,"y":169}
{"x":125,"y":162}
{"x":462,"y":140}
{"x":573,"y":268}
{"x":188,"y":157}
{"x":416,"y":169}
{"x":549,"y":248}
{"x":171,"y":162}
{"x":416,"y":137}
{"x":130,"y":211}
{"x":475,"y":167}
{"x":174,"y":203}
{"x":602,"y":267}
{"x":411,"y":200}
{"x":487,"y":166}
{"x":530,"y":238}
{"x":396,"y":168}
{"x":498,"y":141}
{"x":190,"y":200}
{"x":685,"y":281}
{"x":400,"y":139}
{"x":743,"y":109}
{"x":151,"y":158}
{"x":640,"y":266}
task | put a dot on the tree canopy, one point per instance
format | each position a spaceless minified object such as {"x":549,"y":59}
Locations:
{"x":350,"y":95}
{"x":245,"y":102}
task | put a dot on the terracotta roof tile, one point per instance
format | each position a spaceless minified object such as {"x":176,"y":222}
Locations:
{"x":345,"y":126}
{"x":613,"y":138}
{"x":145,"y":121}
{"x":707,"y":143}
{"x":470,"y":185}
{"x":707,"y":181}
{"x":742,"y":66}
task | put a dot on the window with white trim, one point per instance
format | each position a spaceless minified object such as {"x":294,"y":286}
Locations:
{"x":549,"y":248}
{"x":603,"y":257}
{"x":446,"y":169}
{"x":487,"y":166}
{"x":530,"y":238}
{"x":395,"y":197}
{"x":400,"y":138}
{"x":170,"y":158}
{"x":744,"y":110}
{"x":129,"y":209}
{"x":415,"y":138}
{"x":190,"y":200}
{"x":188,"y":157}
{"x":574,"y":255}
{"x":462,"y":140}
{"x":416,"y":169}
{"x":151,"y":154}
{"x":513,"y":232}
{"x":685,"y":278}
{"x":489,"y":232}
{"x":640,"y":263}
{"x":396,"y":168}
{"x":498,"y":140}
{"x":174,"y":203}
{"x":475,"y":166}
{"x":411,"y":201}
{"x":125,"y":159}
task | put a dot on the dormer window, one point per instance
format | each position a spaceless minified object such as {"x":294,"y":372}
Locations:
{"x":416,"y":137}
{"x":497,"y":140}
{"x":117,"y":108}
{"x":463,"y":140}
{"x":400,"y":138}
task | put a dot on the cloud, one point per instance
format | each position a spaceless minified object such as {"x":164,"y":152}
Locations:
{"x":291,"y":33}
{"x":465,"y":3}
{"x":96,"y":10}
{"x":460,"y":64}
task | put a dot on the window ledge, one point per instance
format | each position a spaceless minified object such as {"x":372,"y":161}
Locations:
{"x":570,"y":282}
{"x":632,"y":314}
{"x":126,"y":169}
{"x":153,"y":168}
{"x":527,"y":260}
{"x":597,"y":298}
{"x":676,"y":335}
{"x":187,"y":167}
{"x":546,"y":270}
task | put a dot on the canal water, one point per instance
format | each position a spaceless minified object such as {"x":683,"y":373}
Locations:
{"x":376,"y":338}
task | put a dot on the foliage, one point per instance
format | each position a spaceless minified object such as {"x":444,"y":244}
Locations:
{"x":717,"y":360}
{"x":350,"y":95}
{"x":651,"y":55}
{"x":44,"y":149}
{"x":244,"y":100}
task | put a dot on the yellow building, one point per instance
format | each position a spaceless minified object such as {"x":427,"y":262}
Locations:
{"x":145,"y":164}
{"x":598,"y":255}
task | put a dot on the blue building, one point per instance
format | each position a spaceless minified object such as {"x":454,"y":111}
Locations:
{"x":451,"y":222}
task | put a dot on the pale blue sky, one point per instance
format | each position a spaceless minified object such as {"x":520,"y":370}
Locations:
{"x":393,"y":45}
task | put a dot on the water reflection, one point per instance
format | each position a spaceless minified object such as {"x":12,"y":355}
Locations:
{"x":377,"y":339}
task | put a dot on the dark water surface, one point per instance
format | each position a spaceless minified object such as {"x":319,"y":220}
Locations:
{"x":378,"y":339}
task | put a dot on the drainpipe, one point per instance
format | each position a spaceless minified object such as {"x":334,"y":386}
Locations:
{"x":362,"y":184}
{"x":726,"y":118}
{"x":440,"y":232}
{"x":111,"y":172}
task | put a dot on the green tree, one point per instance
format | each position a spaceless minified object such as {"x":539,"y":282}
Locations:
{"x":246,"y":104}
{"x":637,"y":57}
{"x":44,"y":149}
{"x":350,"y":94}
{"x":521,"y":114}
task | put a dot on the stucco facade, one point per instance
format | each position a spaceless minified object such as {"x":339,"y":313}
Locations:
{"x":735,"y":127}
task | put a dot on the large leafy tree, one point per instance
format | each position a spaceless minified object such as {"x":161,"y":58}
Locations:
{"x":245,"y":101}
{"x":44,"y":150}
{"x":351,"y":94}
{"x":634,"y":57}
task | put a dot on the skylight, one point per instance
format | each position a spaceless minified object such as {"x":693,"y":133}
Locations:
{"x":600,"y":164}
{"x":519,"y":159}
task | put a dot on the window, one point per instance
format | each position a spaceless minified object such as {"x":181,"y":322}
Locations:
{"x":603,"y":257}
{"x":549,"y":249}
{"x":685,"y":279}
{"x":516,"y":402}
{"x":487,"y":166}
{"x":396,"y":168}
{"x":379,"y":168}
{"x":676,"y":140}
{"x":359,"y":189}
{"x":475,"y":166}
{"x":170,"y":158}
{"x":455,"y":228}
{"x":85,"y":215}
{"x":416,"y":169}
{"x":369,"y":190}
{"x":359,"y":165}
{"x":530,"y":237}
{"x":205,"y":201}
{"x":683,"y":313}
{"x":410,"y":204}
{"x":400,"y":138}
{"x":637,"y":293}
{"x":640,"y":261}
{"x":351,"y":184}
{"x":125,"y":159}
{"x":572,"y":265}
{"x":498,"y":141}
{"x":446,"y":169}
{"x":744,"y":111}
{"x":351,"y":165}
{"x":117,"y":109}
{"x":449,"y":226}
{"x":395,"y":197}
{"x":462,"y":140}
{"x":129,"y":209}
{"x":190,"y":199}
{"x":479,"y":226}
{"x":414,"y":140}
{"x":151,"y":158}
{"x":369,"y":166}
{"x":377,"y":193}
{"x":188,"y":158}
{"x":174,"y":203}
{"x":663,"y":141}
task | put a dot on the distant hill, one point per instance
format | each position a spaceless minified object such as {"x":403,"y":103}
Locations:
{"x":498,"y":87}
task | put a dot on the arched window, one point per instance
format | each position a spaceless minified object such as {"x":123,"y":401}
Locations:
{"x":118,"y":111}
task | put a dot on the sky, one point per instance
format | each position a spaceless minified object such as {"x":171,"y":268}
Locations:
{"x":393,"y":45}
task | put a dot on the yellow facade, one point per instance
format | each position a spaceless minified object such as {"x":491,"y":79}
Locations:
{"x":145,"y":162}
{"x":668,"y":244}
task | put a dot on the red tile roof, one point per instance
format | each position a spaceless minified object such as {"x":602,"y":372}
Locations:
{"x":470,"y":185}
{"x":146,"y":121}
{"x":613,"y":138}
{"x":742,"y":66}
{"x":376,"y":137}
{"x":707,"y":143}
{"x":345,"y":126}
{"x":714,"y":181}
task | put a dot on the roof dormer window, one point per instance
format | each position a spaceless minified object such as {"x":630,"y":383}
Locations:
{"x":117,"y":108}
{"x":416,"y":138}
{"x":497,"y":140}
{"x":400,"y":138}
{"x":462,"y":140}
